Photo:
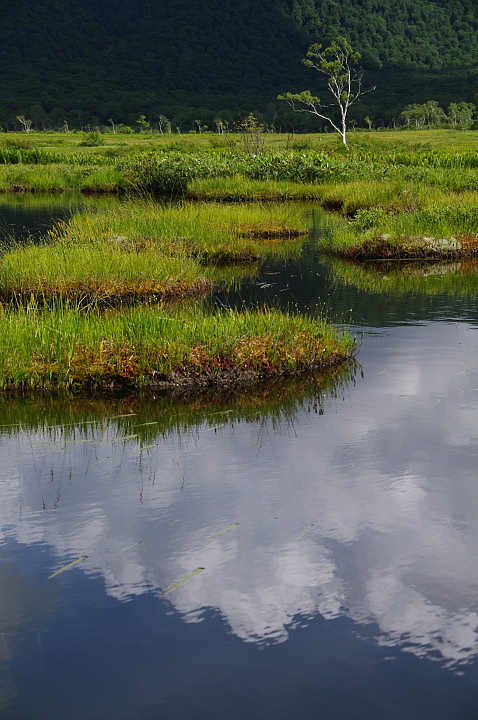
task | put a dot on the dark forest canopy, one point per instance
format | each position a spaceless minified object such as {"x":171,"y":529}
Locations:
{"x":93,"y":61}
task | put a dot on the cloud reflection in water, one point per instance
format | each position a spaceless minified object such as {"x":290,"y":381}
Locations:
{"x":369,"y":510}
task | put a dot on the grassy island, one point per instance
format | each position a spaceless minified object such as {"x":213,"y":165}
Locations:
{"x":446,"y":230}
{"x":145,"y":251}
{"x":66,"y":348}
{"x":94,"y":306}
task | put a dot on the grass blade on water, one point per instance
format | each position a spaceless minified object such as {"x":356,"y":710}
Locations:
{"x":67,"y":567}
{"x":223,"y":531}
{"x":305,"y":531}
{"x":181,"y":581}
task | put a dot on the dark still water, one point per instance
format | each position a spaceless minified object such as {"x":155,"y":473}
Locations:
{"x":29,"y":215}
{"x":306,"y":550}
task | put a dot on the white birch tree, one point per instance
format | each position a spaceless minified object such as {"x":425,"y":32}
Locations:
{"x":344,"y":82}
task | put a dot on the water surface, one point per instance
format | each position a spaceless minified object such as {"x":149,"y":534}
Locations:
{"x":306,"y":550}
{"x":27,"y":216}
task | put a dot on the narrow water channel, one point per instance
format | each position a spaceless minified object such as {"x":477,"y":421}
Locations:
{"x":305,"y":550}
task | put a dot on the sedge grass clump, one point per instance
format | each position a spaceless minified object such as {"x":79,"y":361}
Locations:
{"x":435,"y":158}
{"x":395,"y":189}
{"x":143,"y":347}
{"x":58,"y":178}
{"x":438,"y":230}
{"x":104,"y":271}
{"x":145,"y":251}
{"x":238,"y":188}
{"x":392,"y":195}
{"x":208,"y":231}
{"x":243,"y":232}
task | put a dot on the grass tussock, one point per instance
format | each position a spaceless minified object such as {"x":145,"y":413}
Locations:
{"x":56,"y":333}
{"x":461,"y":245}
{"x":211,"y":232}
{"x":102,"y":272}
{"x":242,"y":189}
{"x":65,"y":348}
{"x":143,"y":251}
{"x":445,"y":230}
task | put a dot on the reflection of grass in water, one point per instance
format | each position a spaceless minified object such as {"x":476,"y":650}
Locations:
{"x":181,"y":581}
{"x":67,"y":567}
{"x":229,"y":277}
{"x":60,"y":202}
{"x":429,"y":278}
{"x":150,"y":418}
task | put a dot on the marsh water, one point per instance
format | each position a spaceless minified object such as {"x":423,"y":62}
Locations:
{"x":308,"y":549}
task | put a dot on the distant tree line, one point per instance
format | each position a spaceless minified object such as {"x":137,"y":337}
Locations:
{"x":431,"y":114}
{"x":459,"y":115}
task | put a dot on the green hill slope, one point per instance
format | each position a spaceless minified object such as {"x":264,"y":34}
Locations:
{"x":86,"y":61}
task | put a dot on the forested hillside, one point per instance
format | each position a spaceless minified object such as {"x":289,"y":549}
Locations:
{"x":100,"y":61}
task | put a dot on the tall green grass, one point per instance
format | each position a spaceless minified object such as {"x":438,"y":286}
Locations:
{"x":145,"y":251}
{"x":58,"y":177}
{"x":238,"y":188}
{"x":178,"y":165}
{"x":384,"y":140}
{"x":104,"y":271}
{"x":212,"y":232}
{"x":144,"y":347}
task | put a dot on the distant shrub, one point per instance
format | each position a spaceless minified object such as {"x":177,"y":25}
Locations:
{"x":170,"y":171}
{"x":154,"y":172}
{"x":124,"y":130}
{"x":18,"y":144}
{"x":92,"y":139}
